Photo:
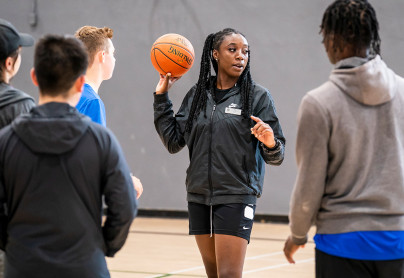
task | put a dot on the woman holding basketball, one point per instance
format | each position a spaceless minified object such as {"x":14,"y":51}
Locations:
{"x":231,"y":128}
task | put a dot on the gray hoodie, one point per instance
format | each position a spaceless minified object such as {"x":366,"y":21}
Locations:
{"x":350,"y":153}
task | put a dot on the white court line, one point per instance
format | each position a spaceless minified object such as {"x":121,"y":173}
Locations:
{"x":247,"y":259}
{"x":178,"y":271}
{"x":264,"y":255}
{"x":276,"y":266}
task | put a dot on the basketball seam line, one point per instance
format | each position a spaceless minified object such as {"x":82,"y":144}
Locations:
{"x":167,"y":58}
{"x":169,"y":43}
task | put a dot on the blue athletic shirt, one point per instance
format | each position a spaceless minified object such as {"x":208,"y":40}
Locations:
{"x":368,"y":245}
{"x":90,"y":104}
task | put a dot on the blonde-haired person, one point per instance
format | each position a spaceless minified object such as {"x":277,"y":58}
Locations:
{"x":101,"y":64}
{"x":100,"y":50}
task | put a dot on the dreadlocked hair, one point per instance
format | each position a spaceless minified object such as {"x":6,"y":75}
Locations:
{"x":353,"y":22}
{"x":245,"y":82}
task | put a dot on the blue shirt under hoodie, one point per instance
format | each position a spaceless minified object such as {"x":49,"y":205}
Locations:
{"x":90,"y":104}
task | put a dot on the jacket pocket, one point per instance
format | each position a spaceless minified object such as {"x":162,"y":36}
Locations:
{"x":248,"y":175}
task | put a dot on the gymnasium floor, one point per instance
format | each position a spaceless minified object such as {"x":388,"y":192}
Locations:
{"x":160,"y":247}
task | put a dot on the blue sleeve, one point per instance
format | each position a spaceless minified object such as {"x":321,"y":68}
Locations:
{"x":95,"y":109}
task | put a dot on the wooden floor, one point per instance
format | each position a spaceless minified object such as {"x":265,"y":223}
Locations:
{"x":158,"y":247}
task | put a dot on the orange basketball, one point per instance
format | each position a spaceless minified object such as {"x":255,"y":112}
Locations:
{"x":172,"y":53}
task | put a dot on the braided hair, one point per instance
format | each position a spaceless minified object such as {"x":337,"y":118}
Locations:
{"x":353,"y":22}
{"x":245,"y":82}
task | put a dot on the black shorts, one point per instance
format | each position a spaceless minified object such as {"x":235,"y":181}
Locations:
{"x":227,"y":219}
{"x":343,"y":267}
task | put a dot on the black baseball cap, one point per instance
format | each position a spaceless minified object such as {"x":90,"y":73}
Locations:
{"x":11,"y":39}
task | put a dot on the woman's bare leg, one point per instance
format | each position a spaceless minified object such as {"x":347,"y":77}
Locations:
{"x":230,"y":255}
{"x":206,"y":245}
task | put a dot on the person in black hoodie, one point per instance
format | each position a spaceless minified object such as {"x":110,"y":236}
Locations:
{"x":231,"y":128}
{"x":50,"y":198}
{"x":13,"y":102}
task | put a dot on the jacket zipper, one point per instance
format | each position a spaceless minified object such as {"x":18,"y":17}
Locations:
{"x":210,"y":156}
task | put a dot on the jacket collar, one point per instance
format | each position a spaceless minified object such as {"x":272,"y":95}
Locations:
{"x":212,"y":83}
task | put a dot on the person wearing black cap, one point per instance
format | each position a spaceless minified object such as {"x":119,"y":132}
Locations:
{"x":13,"y":102}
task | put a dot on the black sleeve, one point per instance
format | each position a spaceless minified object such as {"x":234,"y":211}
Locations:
{"x":3,"y":194}
{"x":275,"y":155}
{"x":167,"y":125}
{"x":12,"y":111}
{"x":120,"y":199}
{"x":3,"y":215}
{"x":265,"y":110}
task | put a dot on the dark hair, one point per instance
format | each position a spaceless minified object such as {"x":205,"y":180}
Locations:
{"x":58,"y":62}
{"x":353,"y":22}
{"x":13,"y":55}
{"x":213,"y":41}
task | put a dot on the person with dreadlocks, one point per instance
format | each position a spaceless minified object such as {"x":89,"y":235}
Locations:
{"x":230,"y":126}
{"x":349,"y":151}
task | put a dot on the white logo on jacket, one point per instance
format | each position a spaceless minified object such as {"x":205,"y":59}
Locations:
{"x":231,"y":109}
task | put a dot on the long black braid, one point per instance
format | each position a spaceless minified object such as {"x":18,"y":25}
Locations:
{"x":213,"y":41}
{"x":353,"y":22}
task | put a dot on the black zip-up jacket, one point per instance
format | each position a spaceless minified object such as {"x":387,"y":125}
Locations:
{"x":13,"y":102}
{"x":226,"y":160}
{"x":55,"y":165}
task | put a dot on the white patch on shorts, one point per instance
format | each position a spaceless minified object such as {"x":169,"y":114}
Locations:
{"x":249,"y":212}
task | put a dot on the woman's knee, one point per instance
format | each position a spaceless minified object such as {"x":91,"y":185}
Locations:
{"x":229,"y":273}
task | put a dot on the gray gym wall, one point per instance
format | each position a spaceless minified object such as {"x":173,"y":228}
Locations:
{"x":287,"y":58}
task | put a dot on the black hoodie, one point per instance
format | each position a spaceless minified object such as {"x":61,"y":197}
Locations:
{"x":55,"y":165}
{"x":13,"y":102}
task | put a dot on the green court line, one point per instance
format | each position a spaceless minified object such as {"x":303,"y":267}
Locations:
{"x":162,"y":275}
{"x":185,"y":234}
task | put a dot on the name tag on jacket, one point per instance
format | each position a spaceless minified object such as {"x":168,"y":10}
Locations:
{"x":233,"y":111}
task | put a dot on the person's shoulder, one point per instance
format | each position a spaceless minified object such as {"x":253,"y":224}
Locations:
{"x":189,"y":96}
{"x":23,"y":95}
{"x":14,"y":93}
{"x":89,"y":95}
{"x":260,"y":90}
{"x":89,"y":101}
{"x":400,"y":82}
{"x":191,"y":92}
{"x":324,"y":97}
{"x":13,"y":97}
{"x":324,"y":92}
{"x":100,"y":131}
{"x":261,"y":94}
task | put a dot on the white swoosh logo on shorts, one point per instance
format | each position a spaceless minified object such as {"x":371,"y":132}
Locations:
{"x":245,"y":228}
